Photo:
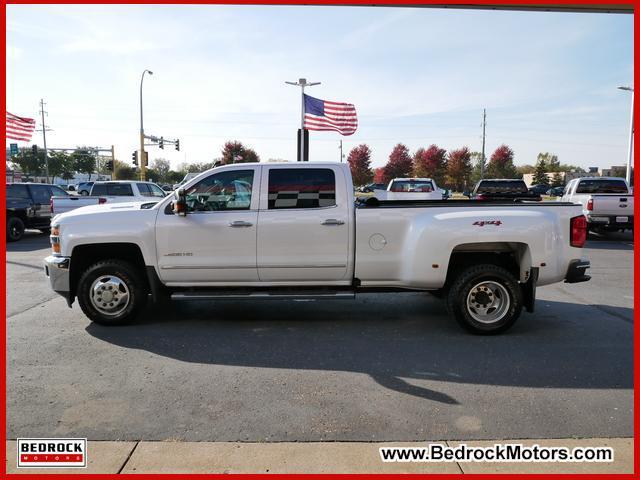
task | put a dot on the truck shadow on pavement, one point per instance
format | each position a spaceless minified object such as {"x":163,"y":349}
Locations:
{"x":398,"y":340}
{"x":32,"y":240}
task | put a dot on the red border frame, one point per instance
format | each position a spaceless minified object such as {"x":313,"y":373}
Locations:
{"x":515,"y":3}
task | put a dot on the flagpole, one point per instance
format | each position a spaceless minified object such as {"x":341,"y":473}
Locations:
{"x":302,"y":82}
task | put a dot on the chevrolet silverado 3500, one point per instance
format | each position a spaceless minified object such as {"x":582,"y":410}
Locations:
{"x":296,"y":231}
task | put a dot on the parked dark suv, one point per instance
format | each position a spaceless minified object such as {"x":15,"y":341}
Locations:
{"x":28,"y":207}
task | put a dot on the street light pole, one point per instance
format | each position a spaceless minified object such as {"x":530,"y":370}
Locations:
{"x":630,"y":148}
{"x":142,"y":154}
{"x":302,"y":82}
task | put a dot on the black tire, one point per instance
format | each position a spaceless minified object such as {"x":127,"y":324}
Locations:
{"x":84,"y":193}
{"x":130,"y":276}
{"x":15,"y":229}
{"x":467,"y":280}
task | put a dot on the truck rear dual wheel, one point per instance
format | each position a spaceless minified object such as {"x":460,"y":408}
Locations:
{"x":112,"y":292}
{"x":485,"y":299}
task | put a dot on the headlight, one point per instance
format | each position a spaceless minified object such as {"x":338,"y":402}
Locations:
{"x":55,"y":239}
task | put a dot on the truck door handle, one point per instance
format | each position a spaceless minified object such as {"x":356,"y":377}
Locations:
{"x":332,"y":221}
{"x":240,"y":223}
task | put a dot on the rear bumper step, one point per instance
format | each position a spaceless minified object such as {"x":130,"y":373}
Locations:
{"x":577,"y":272}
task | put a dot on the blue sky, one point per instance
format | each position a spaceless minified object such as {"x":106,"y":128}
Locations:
{"x":416,"y":76}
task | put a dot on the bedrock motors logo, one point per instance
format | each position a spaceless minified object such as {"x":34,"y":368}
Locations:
{"x":52,"y":452}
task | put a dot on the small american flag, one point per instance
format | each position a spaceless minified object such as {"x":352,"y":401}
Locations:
{"x":20,"y":128}
{"x":324,"y":115}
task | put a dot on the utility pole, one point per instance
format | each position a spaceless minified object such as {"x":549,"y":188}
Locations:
{"x":302,"y":82}
{"x":143,"y":156}
{"x":44,"y":139}
{"x":484,"y":125}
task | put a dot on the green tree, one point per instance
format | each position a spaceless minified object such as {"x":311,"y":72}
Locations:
{"x":550,"y":160}
{"x":84,"y":161}
{"x":476,"y":169}
{"x":161,"y":167}
{"x":557,"y":180}
{"x":123,"y":171}
{"x":31,"y":164}
{"x":61,"y":165}
{"x":501,"y":163}
{"x":540,"y":173}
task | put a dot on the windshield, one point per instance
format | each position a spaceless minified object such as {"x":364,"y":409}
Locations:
{"x":423,"y":186}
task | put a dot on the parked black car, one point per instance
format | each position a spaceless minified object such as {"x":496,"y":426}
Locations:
{"x":28,"y":207}
{"x":540,"y":189}
{"x":506,"y":189}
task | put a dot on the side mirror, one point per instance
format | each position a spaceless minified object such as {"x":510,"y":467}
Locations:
{"x":180,"y":203}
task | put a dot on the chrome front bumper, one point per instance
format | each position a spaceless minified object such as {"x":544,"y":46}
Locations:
{"x":57,"y":270}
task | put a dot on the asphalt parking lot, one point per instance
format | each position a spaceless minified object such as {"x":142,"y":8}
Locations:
{"x":381,"y":368}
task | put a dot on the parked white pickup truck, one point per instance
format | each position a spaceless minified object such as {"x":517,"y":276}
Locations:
{"x":410,"y":189}
{"x":117,"y":191}
{"x":296,"y":231}
{"x":606,"y":202}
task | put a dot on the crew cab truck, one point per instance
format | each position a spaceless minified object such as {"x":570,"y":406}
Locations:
{"x":109,"y":192}
{"x":606,"y":202}
{"x":295,"y":231}
{"x":27,"y":206}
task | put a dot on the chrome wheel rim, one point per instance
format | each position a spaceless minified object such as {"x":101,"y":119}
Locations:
{"x":109,"y":295}
{"x":488,"y":302}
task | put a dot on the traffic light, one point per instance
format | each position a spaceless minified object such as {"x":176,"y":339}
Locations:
{"x":34,"y":149}
{"x":146,"y":159}
{"x":178,"y":145}
{"x":161,"y":142}
{"x":134,"y":158}
{"x":110,"y":165}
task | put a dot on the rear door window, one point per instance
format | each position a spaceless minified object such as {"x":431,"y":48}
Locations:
{"x":112,"y":189}
{"x":301,"y":188}
{"x":41,"y":193}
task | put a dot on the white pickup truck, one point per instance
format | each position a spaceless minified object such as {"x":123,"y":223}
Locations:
{"x":410,"y":189}
{"x":606,"y":202}
{"x":295,"y":231}
{"x":118,"y":191}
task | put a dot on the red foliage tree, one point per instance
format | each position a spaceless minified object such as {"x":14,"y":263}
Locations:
{"x":431,"y":163}
{"x":459,"y":168}
{"x":236,"y":152}
{"x":399,"y":164}
{"x":501,"y":164}
{"x":378,"y":175}
{"x":360,"y":164}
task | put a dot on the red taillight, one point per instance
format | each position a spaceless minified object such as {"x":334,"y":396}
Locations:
{"x":590,"y":204}
{"x":578,"y":231}
{"x":102,"y":200}
{"x":480,"y":197}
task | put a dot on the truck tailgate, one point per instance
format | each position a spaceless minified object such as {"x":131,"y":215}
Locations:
{"x":618,"y":205}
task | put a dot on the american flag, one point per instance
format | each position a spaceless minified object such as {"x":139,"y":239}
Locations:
{"x":324,"y":115}
{"x":20,"y":128}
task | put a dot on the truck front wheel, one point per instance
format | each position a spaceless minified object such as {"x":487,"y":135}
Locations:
{"x":485,"y":299}
{"x":112,"y":292}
